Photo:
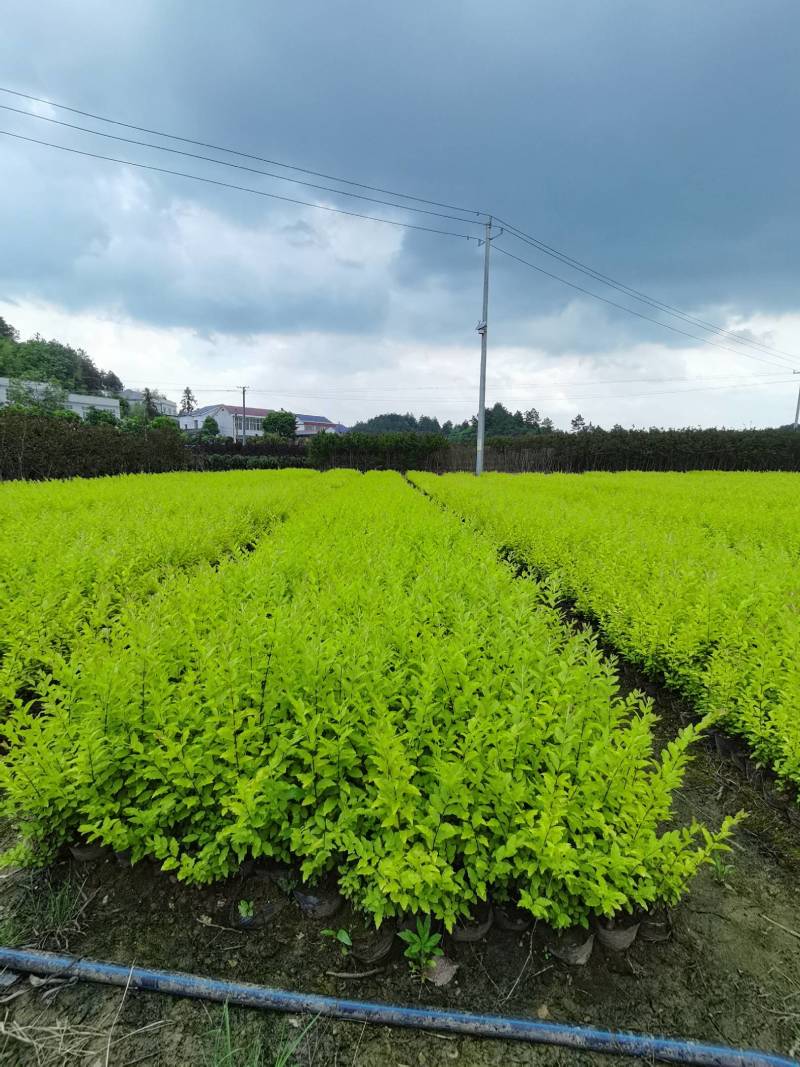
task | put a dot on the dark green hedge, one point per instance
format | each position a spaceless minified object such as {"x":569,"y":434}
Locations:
{"x":39,"y":446}
{"x":647,"y":450}
{"x":386,"y":451}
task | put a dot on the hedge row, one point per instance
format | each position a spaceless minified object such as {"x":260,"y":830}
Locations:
{"x":38,"y":447}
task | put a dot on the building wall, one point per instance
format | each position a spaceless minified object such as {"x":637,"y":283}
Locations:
{"x":194,"y":422}
{"x":77,"y":402}
{"x":308,"y":429}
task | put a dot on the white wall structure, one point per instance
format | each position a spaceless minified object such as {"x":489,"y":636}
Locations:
{"x":219,"y":412}
{"x":80,"y":403}
{"x":229,"y":420}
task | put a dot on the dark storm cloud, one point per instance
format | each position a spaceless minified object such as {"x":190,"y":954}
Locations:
{"x":654,"y":141}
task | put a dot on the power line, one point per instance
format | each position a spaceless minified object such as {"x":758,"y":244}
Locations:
{"x":638,"y":314}
{"x":512,"y":229}
{"x":242,"y":155}
{"x":239,"y":188}
{"x":424,"y":392}
{"x":534,"y":396}
{"x":635,"y":293}
{"x":238,"y":166}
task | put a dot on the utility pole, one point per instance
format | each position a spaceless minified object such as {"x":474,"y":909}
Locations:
{"x":244,"y":415}
{"x":482,"y":328}
{"x":797,"y":409}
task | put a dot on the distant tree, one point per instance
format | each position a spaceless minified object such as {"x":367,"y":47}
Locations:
{"x":578,"y":424}
{"x":531,"y":419}
{"x":148,"y":403}
{"x":391,"y":422}
{"x":210,"y":428}
{"x":188,"y":402}
{"x":546,"y":425}
{"x":100,"y":417}
{"x":282,"y":423}
{"x":426,"y":424}
{"x":7,"y":331}
{"x":88,"y":379}
{"x":111,"y":383}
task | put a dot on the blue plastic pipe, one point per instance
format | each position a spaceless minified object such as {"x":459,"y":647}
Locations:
{"x":363,"y":1011}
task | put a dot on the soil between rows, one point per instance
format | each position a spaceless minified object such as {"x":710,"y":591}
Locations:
{"x":730,"y":974}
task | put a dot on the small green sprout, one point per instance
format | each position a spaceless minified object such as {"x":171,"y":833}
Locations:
{"x":342,"y":938}
{"x":246,"y":909}
{"x":422,"y":946}
{"x":720,"y":870}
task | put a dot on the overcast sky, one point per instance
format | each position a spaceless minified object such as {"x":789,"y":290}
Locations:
{"x":655,"y":142}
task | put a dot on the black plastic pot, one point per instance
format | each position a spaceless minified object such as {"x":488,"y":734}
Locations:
{"x":477,"y":927}
{"x":774,"y":795}
{"x":375,"y":949}
{"x":511,"y":919}
{"x":656,"y":925}
{"x":725,"y":745}
{"x":573,"y":946}
{"x":262,"y":915}
{"x":617,"y":934}
{"x":755,"y":774}
{"x":88,"y":852}
{"x":321,"y":904}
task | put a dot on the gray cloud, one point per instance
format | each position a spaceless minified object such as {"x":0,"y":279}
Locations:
{"x":651,"y":141}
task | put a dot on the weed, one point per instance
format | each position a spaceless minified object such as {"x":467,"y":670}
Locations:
{"x":342,"y":938}
{"x":720,"y":870}
{"x":246,"y":909}
{"x":422,"y":946}
{"x":233,"y":1044}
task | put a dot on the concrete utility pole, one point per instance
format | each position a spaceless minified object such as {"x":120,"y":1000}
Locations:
{"x":244,"y":415}
{"x":483,"y":328}
{"x":797,"y":409}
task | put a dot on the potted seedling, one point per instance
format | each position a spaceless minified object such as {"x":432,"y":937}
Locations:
{"x":246,"y":912}
{"x":245,"y":915}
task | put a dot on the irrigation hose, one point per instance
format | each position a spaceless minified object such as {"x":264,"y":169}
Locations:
{"x":245,"y":995}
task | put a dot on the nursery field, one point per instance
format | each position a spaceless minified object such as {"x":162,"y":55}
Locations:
{"x":234,"y":705}
{"x":368,"y":693}
{"x":694,"y":577}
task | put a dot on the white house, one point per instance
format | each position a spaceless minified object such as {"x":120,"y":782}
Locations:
{"x":80,"y":403}
{"x":229,"y":419}
{"x":162,"y":405}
